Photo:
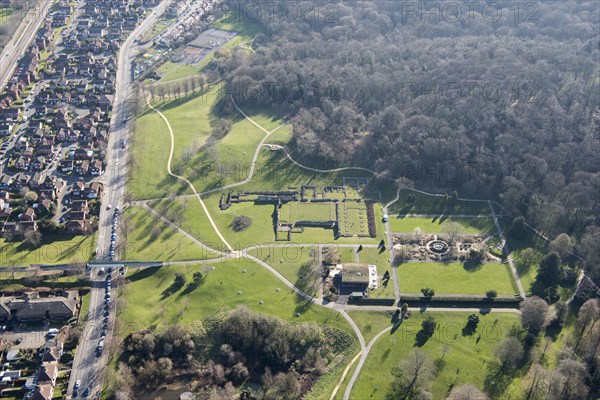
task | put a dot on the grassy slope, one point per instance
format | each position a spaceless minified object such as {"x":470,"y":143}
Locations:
{"x":225,"y":287}
{"x":287,"y":260}
{"x":438,"y":205}
{"x":454,"y":278}
{"x":62,"y":249}
{"x":170,"y":245}
{"x":465,"y":359}
{"x":436,"y":225}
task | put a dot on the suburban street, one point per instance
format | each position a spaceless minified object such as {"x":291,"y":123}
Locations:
{"x":115,"y":176}
{"x":21,"y":39}
{"x":87,"y":367}
{"x":85,"y":364}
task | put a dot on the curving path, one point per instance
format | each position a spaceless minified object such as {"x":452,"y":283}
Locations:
{"x":365,"y":349}
{"x":212,"y":222}
{"x":361,"y":362}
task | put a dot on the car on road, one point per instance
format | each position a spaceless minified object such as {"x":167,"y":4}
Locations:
{"x":86,"y":392}
{"x":108,"y":207}
{"x":77,"y":384}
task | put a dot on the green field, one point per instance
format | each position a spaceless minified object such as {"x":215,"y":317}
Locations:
{"x":149,"y":239}
{"x":459,"y":358}
{"x":287,"y":260}
{"x":191,"y":118}
{"x":454,"y":278}
{"x":187,"y":213}
{"x":61,"y":249}
{"x":476,"y":226}
{"x":226,"y":286}
{"x":171,"y":71}
{"x":299,"y":211}
{"x":436,"y":205}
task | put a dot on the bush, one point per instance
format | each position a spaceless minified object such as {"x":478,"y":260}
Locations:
{"x":428,"y":292}
{"x":491,"y":294}
{"x":241,"y":223}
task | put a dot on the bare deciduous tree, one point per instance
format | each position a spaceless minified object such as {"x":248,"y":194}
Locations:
{"x":509,"y":352}
{"x":467,"y":391}
{"x":534,"y":314}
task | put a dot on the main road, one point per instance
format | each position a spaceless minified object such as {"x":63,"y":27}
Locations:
{"x":88,"y":368}
{"x":114,"y":178}
{"x":21,"y":39}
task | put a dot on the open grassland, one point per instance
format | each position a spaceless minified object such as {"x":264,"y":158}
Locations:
{"x":60,"y":249}
{"x":223,"y":161}
{"x":436,"y":205}
{"x":287,"y":260}
{"x":459,"y":359}
{"x":226,"y":286}
{"x":187,"y":213}
{"x":150,"y":151}
{"x":149,"y":239}
{"x":299,"y":211}
{"x":475,"y":226}
{"x":456,"y":278}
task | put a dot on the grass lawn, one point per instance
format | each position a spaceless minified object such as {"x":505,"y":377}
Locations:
{"x":225,"y":287}
{"x":287,"y":260}
{"x":4,"y":13}
{"x":85,"y":308}
{"x":454,"y":278}
{"x":165,"y":244}
{"x":62,"y":249}
{"x":436,"y":225}
{"x":298,"y":211}
{"x":436,"y":205}
{"x":187,"y":213}
{"x":171,"y":71}
{"x":459,"y":359}
{"x":150,"y":152}
{"x":227,"y":161}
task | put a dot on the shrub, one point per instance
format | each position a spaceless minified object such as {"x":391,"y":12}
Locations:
{"x":491,"y":294}
{"x":241,"y":223}
{"x":428,"y":292}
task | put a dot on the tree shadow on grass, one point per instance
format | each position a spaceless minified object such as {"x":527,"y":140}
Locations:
{"x":142,"y":274}
{"x":190,"y":288}
{"x":496,"y":380}
{"x":472,"y":266}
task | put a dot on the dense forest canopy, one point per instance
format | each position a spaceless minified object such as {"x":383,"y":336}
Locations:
{"x":493,"y":99}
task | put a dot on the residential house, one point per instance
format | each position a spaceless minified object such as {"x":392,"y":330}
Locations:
{"x":83,"y":168}
{"x":6,"y":129}
{"x":96,"y":168}
{"x":31,"y":307}
{"x":28,"y":215}
{"x":66,"y":165}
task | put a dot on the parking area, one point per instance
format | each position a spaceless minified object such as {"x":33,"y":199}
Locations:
{"x":26,"y":337}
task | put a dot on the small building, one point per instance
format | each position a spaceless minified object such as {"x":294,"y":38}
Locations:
{"x":355,"y":277}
